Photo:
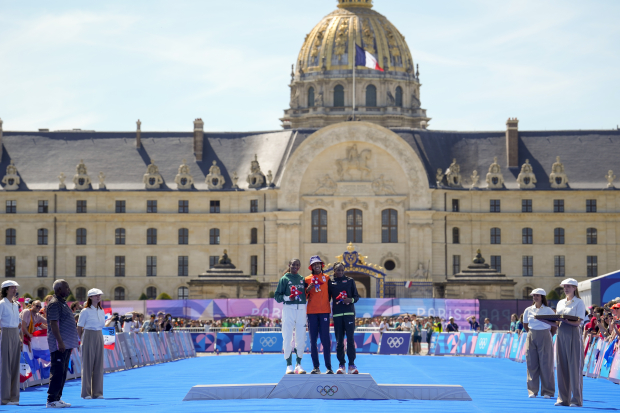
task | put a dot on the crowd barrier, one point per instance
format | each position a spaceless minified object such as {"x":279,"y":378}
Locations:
{"x":130,"y":350}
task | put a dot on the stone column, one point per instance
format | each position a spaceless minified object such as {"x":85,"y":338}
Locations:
{"x":138,"y":134}
{"x":198,"y":138}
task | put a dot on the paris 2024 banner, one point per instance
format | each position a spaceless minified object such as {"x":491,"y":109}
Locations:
{"x":267,"y":307}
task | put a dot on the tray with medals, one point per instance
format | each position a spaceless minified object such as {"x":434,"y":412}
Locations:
{"x":556,"y":317}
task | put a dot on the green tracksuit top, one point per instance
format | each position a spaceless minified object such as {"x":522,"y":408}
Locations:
{"x":284,"y":288}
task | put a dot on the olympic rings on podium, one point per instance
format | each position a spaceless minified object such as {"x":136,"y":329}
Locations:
{"x":327,"y":390}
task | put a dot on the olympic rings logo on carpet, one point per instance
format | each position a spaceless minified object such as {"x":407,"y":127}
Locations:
{"x":327,"y":390}
{"x":395,"y":342}
{"x":268,"y":341}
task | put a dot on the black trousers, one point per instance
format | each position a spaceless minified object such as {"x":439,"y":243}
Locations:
{"x":58,"y":374}
{"x":318,"y":325}
{"x":345,"y":324}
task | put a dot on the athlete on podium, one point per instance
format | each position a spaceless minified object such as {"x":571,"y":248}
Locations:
{"x":343,"y":293}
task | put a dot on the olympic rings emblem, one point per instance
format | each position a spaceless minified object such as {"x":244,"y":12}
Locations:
{"x":268,"y":341}
{"x":482,"y":343}
{"x":395,"y":342}
{"x":327,"y":390}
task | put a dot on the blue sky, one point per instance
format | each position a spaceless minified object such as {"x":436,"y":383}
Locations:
{"x":554,"y":64}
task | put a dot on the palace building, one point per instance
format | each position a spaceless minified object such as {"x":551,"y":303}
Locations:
{"x":355,"y":175}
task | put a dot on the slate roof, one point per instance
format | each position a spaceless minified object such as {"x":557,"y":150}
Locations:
{"x":41,"y":156}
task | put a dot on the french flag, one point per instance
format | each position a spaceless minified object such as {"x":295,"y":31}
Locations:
{"x":363,"y":58}
{"x":408,"y":284}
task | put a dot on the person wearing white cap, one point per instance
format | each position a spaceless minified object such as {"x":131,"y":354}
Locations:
{"x":539,"y":347}
{"x":90,"y":323}
{"x":10,"y":344}
{"x":570,"y":347}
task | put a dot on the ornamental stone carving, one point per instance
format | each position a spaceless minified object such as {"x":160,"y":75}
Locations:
{"x":11,"y":180}
{"x":326,"y":186}
{"x":610,"y":179}
{"x":453,"y":174}
{"x":526,"y":178}
{"x":255,"y":178}
{"x":354,"y":203}
{"x":495,"y":179}
{"x":475,"y":178}
{"x":421,"y":273}
{"x":356,"y":162}
{"x":389,"y":203}
{"x":389,"y":256}
{"x":61,"y":178}
{"x":234,"y":179}
{"x":439,"y":177}
{"x":152,"y":178}
{"x":382,"y":186}
{"x":269,"y":178}
{"x":558,"y":178}
{"x":320,"y":202}
{"x":81,"y":179}
{"x":184,"y":179}
{"x":101,"y":177}
{"x":214,"y":179}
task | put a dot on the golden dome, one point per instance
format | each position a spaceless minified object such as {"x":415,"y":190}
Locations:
{"x":331,"y":44}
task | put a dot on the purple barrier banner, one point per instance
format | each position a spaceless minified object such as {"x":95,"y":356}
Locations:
{"x":395,"y":343}
{"x":204,"y":342}
{"x":233,"y":342}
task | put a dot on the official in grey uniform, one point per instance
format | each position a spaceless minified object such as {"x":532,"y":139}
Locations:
{"x":539,"y":347}
{"x":10,"y":344}
{"x":90,"y":323}
{"x":570,"y":347}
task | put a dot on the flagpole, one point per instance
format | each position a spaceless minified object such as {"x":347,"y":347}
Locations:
{"x":354,"y":65}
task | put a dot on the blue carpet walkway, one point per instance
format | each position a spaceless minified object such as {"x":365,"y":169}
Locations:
{"x":495,"y":385}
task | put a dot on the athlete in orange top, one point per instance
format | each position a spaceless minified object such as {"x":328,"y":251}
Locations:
{"x":319,"y":313}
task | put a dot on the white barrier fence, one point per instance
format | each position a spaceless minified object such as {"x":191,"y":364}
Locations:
{"x":131,"y":350}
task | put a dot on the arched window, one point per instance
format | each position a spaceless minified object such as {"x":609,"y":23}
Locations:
{"x":527,"y":236}
{"x":11,"y":236}
{"x":496,"y":236}
{"x":456,"y":236}
{"x":399,"y":97}
{"x":119,"y":236}
{"x":526,"y":293}
{"x":339,"y":96}
{"x":151,"y":293}
{"x":319,"y":226}
{"x":254,"y":236}
{"x":311,"y":97}
{"x":183,"y":236}
{"x":151,"y":236}
{"x":80,"y":236}
{"x":80,"y":294}
{"x":42,"y":236}
{"x":592,"y":236}
{"x":41,"y":293}
{"x":558,"y":236}
{"x":183,"y":293}
{"x":355,"y":223}
{"x":119,"y":293}
{"x":214,"y":236}
{"x":371,"y":96}
{"x":389,"y":226}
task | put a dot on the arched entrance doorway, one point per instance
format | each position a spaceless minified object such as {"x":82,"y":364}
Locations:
{"x":368,"y":277}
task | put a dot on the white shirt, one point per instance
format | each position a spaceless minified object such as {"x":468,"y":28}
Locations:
{"x":574,"y":307}
{"x":92,"y":318}
{"x":383,"y":327}
{"x":9,"y":314}
{"x":533,"y":323}
{"x":128,"y":327}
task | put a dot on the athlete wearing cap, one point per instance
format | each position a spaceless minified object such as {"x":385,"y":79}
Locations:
{"x":539,"y":347}
{"x":318,"y":313}
{"x":90,"y":323}
{"x":10,"y":344}
{"x":570,"y":347}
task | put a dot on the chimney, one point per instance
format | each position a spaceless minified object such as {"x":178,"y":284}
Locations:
{"x":198,"y":138}
{"x":512,"y":142}
{"x":138,"y":134}
{"x":0,"y":139}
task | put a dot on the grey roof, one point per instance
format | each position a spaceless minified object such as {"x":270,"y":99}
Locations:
{"x":41,"y":156}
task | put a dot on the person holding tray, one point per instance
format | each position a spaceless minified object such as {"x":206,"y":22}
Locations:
{"x":570,"y":346}
{"x":539,"y":347}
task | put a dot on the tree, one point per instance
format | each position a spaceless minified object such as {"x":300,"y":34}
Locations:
{"x":27,"y":296}
{"x":71,"y":298}
{"x":143,"y":297}
{"x":164,"y":296}
{"x":553,"y":295}
{"x":272,"y":294}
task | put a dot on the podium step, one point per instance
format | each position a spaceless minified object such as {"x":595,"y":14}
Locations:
{"x":330,"y":387}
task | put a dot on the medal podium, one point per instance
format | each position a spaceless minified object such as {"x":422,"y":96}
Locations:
{"x":330,"y":387}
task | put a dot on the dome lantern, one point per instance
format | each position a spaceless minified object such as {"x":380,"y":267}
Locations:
{"x":345,"y":4}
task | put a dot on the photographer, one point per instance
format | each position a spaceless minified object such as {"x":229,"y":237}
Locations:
{"x":116,"y":322}
{"x":131,"y":319}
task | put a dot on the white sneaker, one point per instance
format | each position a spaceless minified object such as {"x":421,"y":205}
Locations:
{"x":87,"y":398}
{"x":532,"y":396}
{"x":64,"y":404}
{"x":54,"y":405}
{"x":299,"y":369}
{"x":290,"y":369}
{"x":558,"y":404}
